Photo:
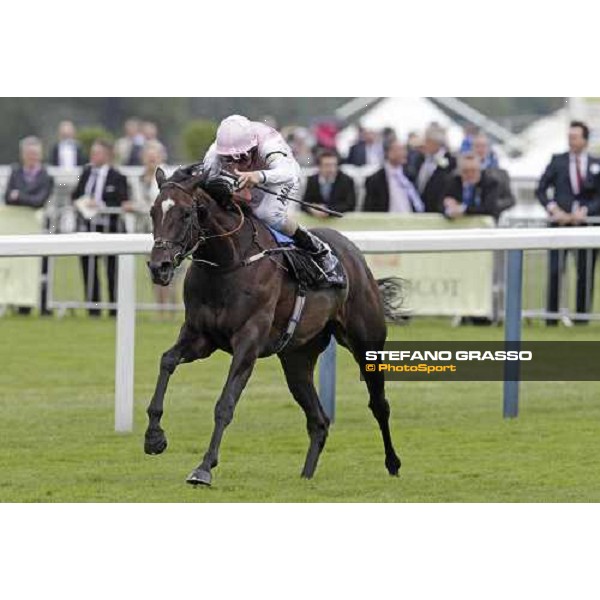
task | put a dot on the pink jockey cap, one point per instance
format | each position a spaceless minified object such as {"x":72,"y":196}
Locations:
{"x":236,"y":135}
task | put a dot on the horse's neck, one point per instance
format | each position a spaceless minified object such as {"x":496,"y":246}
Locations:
{"x":227,"y":249}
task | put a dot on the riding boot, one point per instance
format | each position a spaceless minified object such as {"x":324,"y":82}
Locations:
{"x":321,"y":253}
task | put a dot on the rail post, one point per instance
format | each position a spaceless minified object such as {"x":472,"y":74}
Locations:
{"x":125,"y":351}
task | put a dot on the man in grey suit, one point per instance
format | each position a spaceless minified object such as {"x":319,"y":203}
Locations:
{"x":29,"y":183}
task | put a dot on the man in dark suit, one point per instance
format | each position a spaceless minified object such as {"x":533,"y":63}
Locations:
{"x":101,"y":186}
{"x":475,"y":191}
{"x":67,"y":152}
{"x":575,"y":179}
{"x":433,"y":169}
{"x":31,"y":185}
{"x":414,"y":146}
{"x":367,"y":151}
{"x":390,"y":189}
{"x":329,"y":187}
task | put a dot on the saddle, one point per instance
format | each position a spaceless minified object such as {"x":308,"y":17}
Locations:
{"x":302,"y":266}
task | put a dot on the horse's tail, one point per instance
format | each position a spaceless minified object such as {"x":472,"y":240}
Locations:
{"x":392,"y":291}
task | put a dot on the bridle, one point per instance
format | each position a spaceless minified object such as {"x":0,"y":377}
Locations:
{"x":192,"y":229}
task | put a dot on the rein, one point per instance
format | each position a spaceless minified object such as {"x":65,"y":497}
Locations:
{"x":193,"y":226}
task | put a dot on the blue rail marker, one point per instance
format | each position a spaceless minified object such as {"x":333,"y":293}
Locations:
{"x":327,"y":370}
{"x":512,"y":330}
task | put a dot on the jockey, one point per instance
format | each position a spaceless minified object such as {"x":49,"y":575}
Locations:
{"x":258,"y":155}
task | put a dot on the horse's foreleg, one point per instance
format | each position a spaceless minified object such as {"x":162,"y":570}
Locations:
{"x":188,"y":348}
{"x":244,"y":358}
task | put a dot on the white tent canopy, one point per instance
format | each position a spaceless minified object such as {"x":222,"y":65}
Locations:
{"x":544,"y":137}
{"x":403,"y":115}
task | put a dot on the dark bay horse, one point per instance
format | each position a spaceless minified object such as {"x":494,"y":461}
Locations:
{"x":244,"y":309}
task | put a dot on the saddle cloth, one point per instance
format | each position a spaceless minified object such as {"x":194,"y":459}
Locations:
{"x":302,"y":266}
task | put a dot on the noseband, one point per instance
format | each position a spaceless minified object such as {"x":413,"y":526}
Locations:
{"x":193,"y":229}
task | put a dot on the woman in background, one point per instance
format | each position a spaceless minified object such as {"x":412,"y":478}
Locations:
{"x":144,"y":190}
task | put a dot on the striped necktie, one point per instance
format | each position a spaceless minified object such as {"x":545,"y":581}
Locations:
{"x":409,"y":188}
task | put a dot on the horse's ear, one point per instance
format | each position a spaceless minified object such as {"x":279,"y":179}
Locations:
{"x":160,"y":177}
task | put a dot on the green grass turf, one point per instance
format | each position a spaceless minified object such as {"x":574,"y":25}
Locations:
{"x":57,"y":441}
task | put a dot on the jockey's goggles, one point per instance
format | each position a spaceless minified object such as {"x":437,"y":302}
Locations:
{"x":235,"y":158}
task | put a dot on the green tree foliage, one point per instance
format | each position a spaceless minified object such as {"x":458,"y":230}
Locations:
{"x":197,"y":137}
{"x":88,"y":135}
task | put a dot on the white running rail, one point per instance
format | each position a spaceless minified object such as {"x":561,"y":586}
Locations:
{"x":370,"y":242}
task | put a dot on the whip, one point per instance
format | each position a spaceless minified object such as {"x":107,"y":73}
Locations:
{"x":329,"y":211}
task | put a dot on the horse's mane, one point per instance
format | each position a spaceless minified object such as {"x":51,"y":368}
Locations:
{"x":220,"y":189}
{"x":183,"y":174}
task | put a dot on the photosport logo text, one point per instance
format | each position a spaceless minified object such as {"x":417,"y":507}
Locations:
{"x":484,"y":361}
{"x":436,"y":356}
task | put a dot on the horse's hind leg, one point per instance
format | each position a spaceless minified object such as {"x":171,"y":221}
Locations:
{"x":368,"y":332}
{"x":380,"y":408}
{"x":299,"y":366}
{"x":189,"y":347}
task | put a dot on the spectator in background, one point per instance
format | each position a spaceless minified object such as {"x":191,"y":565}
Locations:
{"x":470,"y":131}
{"x":67,"y":152}
{"x":150,"y":133}
{"x":474,"y":191}
{"x":434,"y":168}
{"x":414,"y":146}
{"x":144,"y":191}
{"x":574,"y":178}
{"x":128,"y":149}
{"x":102,"y":186}
{"x":481,"y":148}
{"x":367,"y":151}
{"x":299,"y":140}
{"x":325,"y":136}
{"x":390,"y":190}
{"x":388,"y":135}
{"x":30,"y":185}
{"x":329,"y":187}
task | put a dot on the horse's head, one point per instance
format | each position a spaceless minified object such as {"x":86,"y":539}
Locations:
{"x":177,"y":215}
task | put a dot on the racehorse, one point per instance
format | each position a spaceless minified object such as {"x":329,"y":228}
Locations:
{"x":243,"y":306}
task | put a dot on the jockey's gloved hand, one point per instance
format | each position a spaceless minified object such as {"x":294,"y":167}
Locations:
{"x":221,"y":189}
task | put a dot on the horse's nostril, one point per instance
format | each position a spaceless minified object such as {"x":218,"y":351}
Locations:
{"x":159,"y":266}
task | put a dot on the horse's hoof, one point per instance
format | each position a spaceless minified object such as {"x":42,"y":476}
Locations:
{"x":393,"y":466}
{"x":307,"y":474}
{"x":155,"y":443}
{"x":199,"y":477}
